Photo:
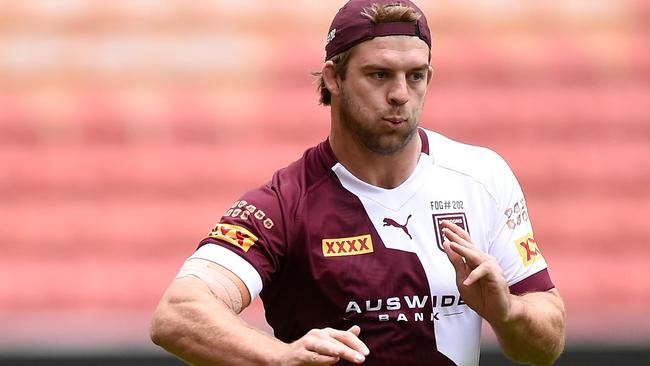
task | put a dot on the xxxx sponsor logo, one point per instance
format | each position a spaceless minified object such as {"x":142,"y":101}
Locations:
{"x":235,"y":235}
{"x":340,"y":247}
{"x":528,"y":250}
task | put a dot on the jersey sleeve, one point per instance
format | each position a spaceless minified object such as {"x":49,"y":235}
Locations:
{"x":248,"y":239}
{"x":512,"y":240}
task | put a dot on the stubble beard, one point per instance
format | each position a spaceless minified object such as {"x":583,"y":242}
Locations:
{"x":382,"y":143}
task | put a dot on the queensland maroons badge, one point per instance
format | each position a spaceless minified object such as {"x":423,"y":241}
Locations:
{"x":457,"y":218}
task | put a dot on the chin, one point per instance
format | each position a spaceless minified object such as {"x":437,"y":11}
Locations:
{"x":387,"y":148}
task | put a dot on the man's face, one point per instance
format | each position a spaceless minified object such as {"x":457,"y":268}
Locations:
{"x":383,"y":93}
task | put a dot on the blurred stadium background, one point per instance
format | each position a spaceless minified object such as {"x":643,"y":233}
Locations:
{"x":127,"y":128}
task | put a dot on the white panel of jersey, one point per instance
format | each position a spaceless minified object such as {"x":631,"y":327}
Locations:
{"x":473,"y":187}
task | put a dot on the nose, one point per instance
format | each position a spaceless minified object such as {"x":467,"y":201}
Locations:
{"x":398,"y":93}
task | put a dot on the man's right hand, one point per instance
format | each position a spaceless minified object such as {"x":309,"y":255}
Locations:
{"x":326,"y":347}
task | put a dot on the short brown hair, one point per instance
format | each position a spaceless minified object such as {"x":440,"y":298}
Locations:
{"x":377,"y":13}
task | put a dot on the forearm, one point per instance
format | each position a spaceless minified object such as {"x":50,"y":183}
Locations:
{"x":201,"y":330}
{"x":534,"y":333}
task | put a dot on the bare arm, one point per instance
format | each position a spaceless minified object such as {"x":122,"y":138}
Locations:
{"x":530,"y":328}
{"x":198,"y":324}
{"x":191,"y":323}
{"x":534,"y":332}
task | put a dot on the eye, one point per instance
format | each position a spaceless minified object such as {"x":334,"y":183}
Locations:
{"x":417,"y":76}
{"x":379,"y":75}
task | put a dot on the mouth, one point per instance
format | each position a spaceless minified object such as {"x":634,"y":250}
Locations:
{"x":395,"y":120}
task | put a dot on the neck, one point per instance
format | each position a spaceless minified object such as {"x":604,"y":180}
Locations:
{"x":385,"y":171}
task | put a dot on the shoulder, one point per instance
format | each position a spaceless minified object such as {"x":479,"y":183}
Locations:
{"x":264,"y":212}
{"x":314,"y":166}
{"x":285,"y":191}
{"x":478,"y":163}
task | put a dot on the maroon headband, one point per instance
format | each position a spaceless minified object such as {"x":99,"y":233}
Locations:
{"x":350,"y":27}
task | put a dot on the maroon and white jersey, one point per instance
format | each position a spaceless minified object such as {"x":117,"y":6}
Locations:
{"x":325,"y":249}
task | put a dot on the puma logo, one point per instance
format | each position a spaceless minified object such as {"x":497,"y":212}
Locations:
{"x":393,"y":223}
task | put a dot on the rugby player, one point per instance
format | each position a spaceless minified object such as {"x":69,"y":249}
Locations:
{"x":386,"y":244}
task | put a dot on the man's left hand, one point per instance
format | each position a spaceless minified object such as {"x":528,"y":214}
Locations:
{"x":480,"y":279}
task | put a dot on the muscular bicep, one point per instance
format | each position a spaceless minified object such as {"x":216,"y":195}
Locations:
{"x":197,"y":311}
{"x":219,"y":281}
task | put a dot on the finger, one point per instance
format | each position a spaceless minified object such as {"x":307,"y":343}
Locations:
{"x":482,"y":271}
{"x":455,"y":258}
{"x":350,"y":338}
{"x":318,"y":359}
{"x":457,"y":230}
{"x":455,"y":237}
{"x":355,"y":329}
{"x":472,"y":256}
{"x":333,"y":348}
{"x":460,"y":267}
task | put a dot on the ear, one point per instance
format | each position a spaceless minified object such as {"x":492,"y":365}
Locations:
{"x":429,"y":74}
{"x":331,"y":79}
